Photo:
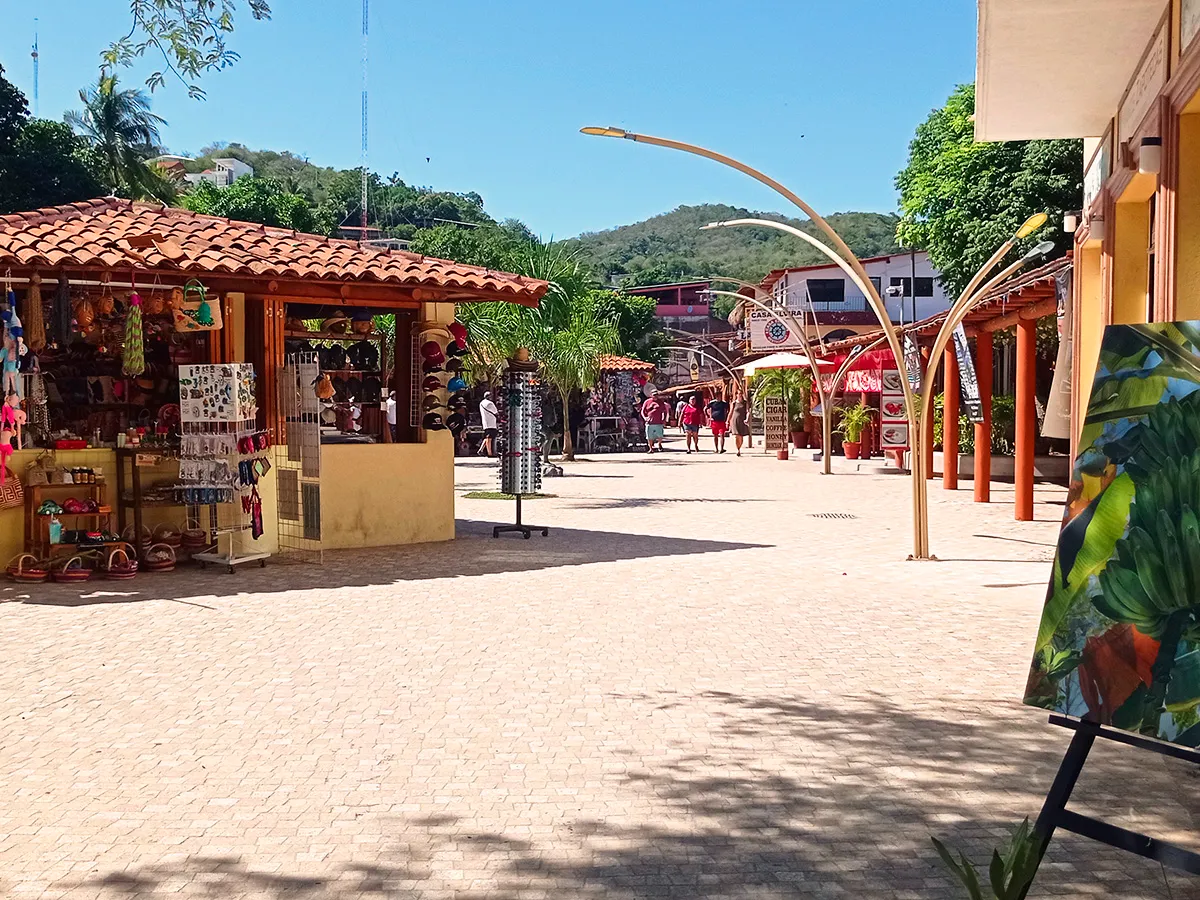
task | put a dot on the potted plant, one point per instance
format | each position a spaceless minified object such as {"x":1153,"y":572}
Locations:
{"x":795,"y":386}
{"x":855,"y":420}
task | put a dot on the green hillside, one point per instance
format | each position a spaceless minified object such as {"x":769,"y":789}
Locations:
{"x":671,"y":247}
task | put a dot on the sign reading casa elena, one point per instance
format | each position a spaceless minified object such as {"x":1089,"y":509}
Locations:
{"x":772,"y":332}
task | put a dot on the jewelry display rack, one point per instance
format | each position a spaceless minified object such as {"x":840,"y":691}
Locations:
{"x":520,"y":439}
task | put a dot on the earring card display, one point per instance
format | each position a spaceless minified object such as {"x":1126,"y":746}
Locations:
{"x":217,"y":393}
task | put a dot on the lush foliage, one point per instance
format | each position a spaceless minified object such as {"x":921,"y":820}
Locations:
{"x":1010,"y":871}
{"x":961,"y":199}
{"x":671,"y":247}
{"x":253,"y":200}
{"x":854,"y":421}
{"x":42,"y":163}
{"x":189,"y":35}
{"x":794,"y":385}
{"x":638,"y":329}
{"x":124,"y":133}
{"x":1004,"y":424}
{"x":567,"y":334}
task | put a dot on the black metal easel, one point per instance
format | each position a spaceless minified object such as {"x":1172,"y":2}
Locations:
{"x":525,"y":530}
{"x":1055,"y":814}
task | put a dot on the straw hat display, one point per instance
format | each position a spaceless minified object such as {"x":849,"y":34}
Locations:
{"x":336,"y":324}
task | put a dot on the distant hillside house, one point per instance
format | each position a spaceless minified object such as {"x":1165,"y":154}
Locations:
{"x":909,"y":285}
{"x":223,"y":173}
{"x":683,"y":306}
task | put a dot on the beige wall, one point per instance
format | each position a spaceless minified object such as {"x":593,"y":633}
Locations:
{"x":1187,"y":223}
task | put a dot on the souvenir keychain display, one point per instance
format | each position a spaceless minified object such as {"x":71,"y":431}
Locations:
{"x":222,"y":457}
{"x":520,"y":438}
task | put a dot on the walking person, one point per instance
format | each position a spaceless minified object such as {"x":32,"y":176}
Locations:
{"x":655,"y":411}
{"x":489,"y":414}
{"x":391,"y":415}
{"x":692,"y":418}
{"x":679,"y":407}
{"x":718,"y":420}
{"x":741,"y":421}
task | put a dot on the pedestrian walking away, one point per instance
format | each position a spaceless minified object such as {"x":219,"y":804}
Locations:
{"x":718,"y":420}
{"x":391,"y":414}
{"x":679,"y":408}
{"x":741,"y":422}
{"x":692,"y":418}
{"x":655,"y":412}
{"x":490,"y":414}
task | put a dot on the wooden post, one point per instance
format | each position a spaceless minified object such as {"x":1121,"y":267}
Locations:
{"x":983,"y":430}
{"x":1026,"y":417}
{"x":950,"y":421}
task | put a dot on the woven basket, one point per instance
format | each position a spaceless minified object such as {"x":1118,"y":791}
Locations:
{"x":167,"y":534}
{"x":73,"y":571}
{"x":193,"y":537}
{"x":159,"y":558}
{"x":26,"y":569}
{"x":129,"y":535}
{"x":123,"y":569}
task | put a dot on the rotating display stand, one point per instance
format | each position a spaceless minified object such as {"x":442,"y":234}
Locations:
{"x":520,"y":440}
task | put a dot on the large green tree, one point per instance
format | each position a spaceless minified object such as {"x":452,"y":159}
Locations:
{"x":262,"y":200}
{"x":960,"y":199}
{"x":42,"y":163}
{"x":189,"y":35}
{"x":124,"y":132}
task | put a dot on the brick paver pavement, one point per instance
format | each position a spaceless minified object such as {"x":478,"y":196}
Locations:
{"x":693,"y":688}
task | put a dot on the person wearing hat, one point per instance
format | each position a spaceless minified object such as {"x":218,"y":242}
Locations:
{"x":655,"y":412}
{"x":391,"y":414}
{"x":490,"y":414}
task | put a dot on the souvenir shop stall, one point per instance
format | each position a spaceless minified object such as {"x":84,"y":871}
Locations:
{"x":872,"y":380}
{"x":612,"y":414}
{"x":179,"y":387}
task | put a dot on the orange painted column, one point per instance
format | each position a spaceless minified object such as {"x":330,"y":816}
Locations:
{"x":1026,"y":417}
{"x":927,"y":437}
{"x":950,"y":422}
{"x":983,"y":430}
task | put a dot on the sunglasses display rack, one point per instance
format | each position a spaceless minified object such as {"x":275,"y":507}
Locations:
{"x":222,"y":456}
{"x":520,"y":440}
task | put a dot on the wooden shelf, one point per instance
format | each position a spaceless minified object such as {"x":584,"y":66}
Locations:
{"x":332,"y":336}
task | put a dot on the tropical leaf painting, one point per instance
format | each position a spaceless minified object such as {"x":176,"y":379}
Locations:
{"x":1119,"y":640}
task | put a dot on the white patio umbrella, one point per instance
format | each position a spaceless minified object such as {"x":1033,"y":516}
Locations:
{"x":779,"y":361}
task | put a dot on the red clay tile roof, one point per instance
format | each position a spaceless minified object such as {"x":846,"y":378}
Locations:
{"x":96,"y":233}
{"x":624,"y":364}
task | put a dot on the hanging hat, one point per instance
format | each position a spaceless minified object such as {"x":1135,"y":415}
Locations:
{"x":431,"y":383}
{"x":432,"y":350}
{"x":456,"y":422}
{"x":462,"y":398}
{"x":431,"y":401}
{"x":337,"y":323}
{"x":456,"y":384}
{"x":459,"y":332}
{"x":427,"y":367}
{"x":432,"y":422}
{"x":454,"y":364}
{"x":454,"y":348}
{"x":372,"y":387}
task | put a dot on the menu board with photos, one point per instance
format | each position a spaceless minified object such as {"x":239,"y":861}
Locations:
{"x":893,"y":418}
{"x":217,"y":393}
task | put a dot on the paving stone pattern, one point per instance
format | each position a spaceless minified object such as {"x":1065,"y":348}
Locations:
{"x":693,"y":688}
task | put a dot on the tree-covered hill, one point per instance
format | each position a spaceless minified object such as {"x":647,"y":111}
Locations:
{"x":671,"y":246}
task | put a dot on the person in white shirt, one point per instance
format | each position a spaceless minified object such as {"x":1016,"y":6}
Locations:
{"x":489,"y":413}
{"x":391,"y":413}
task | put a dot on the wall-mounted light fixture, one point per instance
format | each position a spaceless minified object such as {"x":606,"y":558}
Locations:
{"x":1150,"y":156}
{"x":1070,"y":222}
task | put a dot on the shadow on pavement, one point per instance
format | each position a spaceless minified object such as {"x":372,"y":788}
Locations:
{"x":760,"y":824}
{"x":475,"y":552}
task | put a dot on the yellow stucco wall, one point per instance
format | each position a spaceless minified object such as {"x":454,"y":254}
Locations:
{"x":375,"y":495}
{"x":1187,"y":223}
{"x":1091,"y":319}
{"x":1131,"y":262}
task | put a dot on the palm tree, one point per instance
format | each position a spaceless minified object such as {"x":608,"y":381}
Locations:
{"x":565,"y":334}
{"x":124,"y":132}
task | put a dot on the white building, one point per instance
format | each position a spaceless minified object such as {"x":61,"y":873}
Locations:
{"x":915,"y":292}
{"x":223,"y":173}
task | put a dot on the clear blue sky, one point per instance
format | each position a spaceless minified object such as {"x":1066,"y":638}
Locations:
{"x":822,"y":95}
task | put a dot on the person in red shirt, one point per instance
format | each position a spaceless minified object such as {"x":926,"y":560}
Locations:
{"x":693,"y":417}
{"x":655,"y":412}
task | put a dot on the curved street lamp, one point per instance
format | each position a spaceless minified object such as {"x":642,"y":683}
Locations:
{"x":844,"y":257}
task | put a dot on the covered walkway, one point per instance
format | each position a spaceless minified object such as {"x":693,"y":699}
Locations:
{"x":1018,"y":303}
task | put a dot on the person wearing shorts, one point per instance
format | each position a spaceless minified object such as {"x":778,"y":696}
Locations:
{"x":489,"y":414}
{"x":655,"y":412}
{"x":691,"y":419}
{"x":718,"y":420}
{"x":741,"y":422}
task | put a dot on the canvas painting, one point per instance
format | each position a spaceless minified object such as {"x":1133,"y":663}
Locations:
{"x":1119,"y":640}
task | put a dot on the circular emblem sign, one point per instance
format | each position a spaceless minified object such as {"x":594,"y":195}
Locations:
{"x":776,"y":332}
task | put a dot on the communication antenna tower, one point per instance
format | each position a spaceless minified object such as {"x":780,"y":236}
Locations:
{"x":363,"y":200}
{"x":35,"y":66}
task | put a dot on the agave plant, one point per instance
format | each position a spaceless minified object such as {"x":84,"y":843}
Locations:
{"x":1010,"y":872}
